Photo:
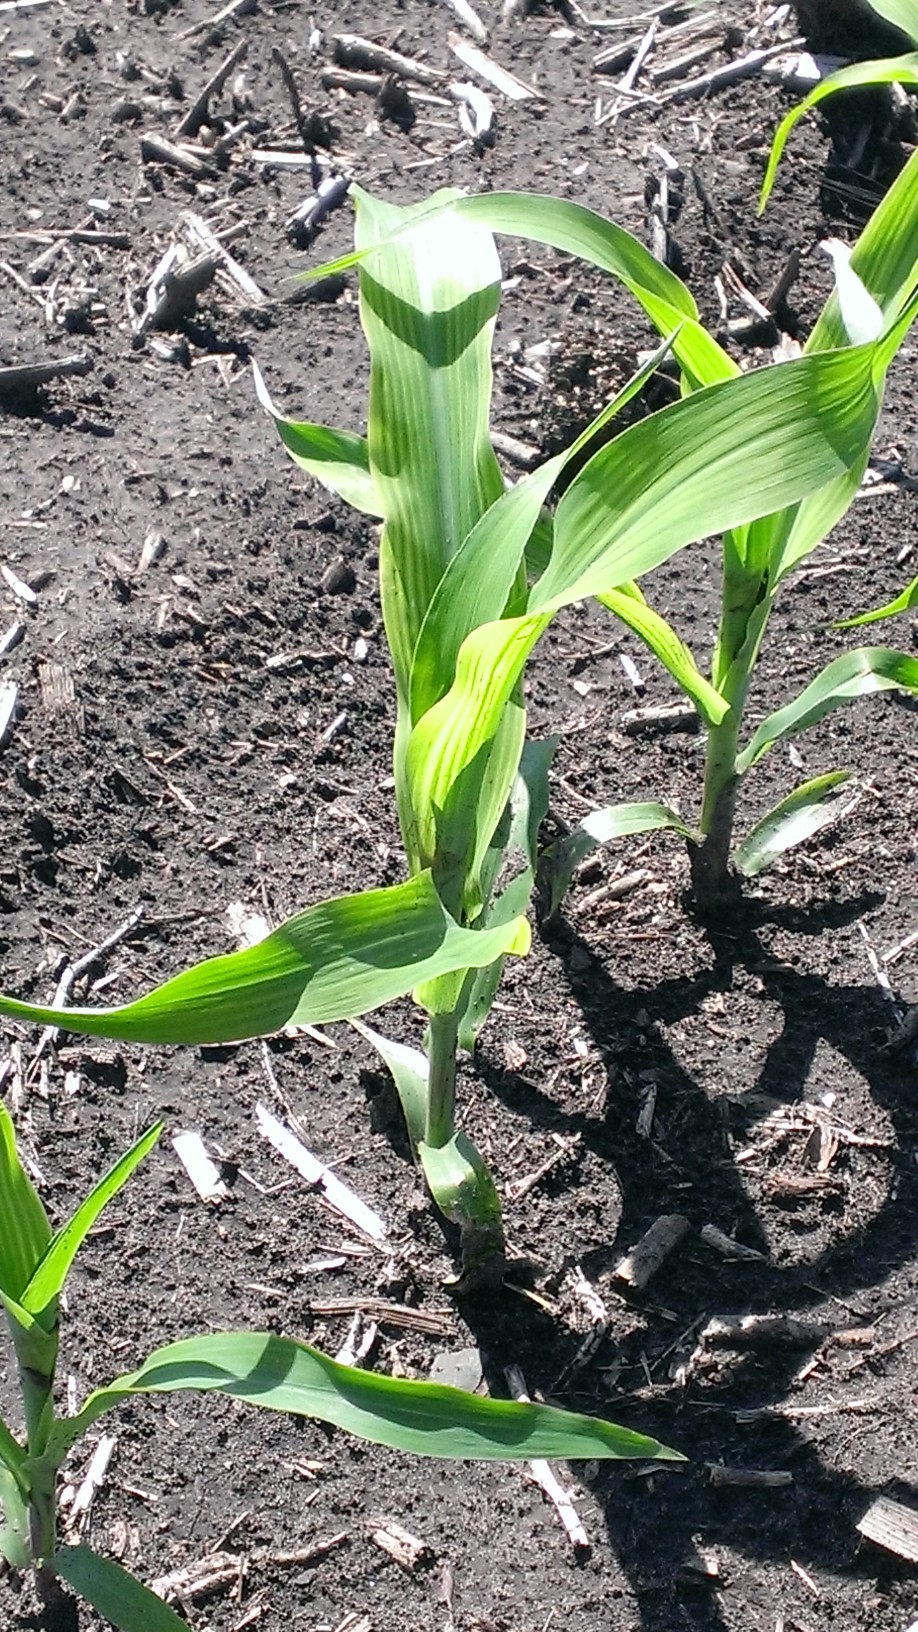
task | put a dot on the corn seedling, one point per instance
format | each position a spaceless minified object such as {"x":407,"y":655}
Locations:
{"x":901,"y":70}
{"x":471,"y":574}
{"x":257,"y":1367}
{"x":874,"y":303}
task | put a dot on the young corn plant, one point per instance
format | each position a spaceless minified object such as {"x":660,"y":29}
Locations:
{"x":471,"y":574}
{"x":901,"y":70}
{"x":258,"y":1367}
{"x":874,"y":304}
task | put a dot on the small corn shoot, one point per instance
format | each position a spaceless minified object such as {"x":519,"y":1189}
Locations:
{"x":875,"y":303}
{"x":901,"y":70}
{"x":260,"y":1368}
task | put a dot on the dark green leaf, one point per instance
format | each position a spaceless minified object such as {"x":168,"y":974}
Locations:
{"x":425,"y":1418}
{"x":117,"y":1595}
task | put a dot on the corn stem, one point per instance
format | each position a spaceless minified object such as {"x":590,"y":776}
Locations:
{"x":442,"y":1042}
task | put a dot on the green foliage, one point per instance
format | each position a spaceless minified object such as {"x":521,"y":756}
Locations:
{"x":877,"y":292}
{"x":462,"y":618}
{"x":902,"y":70}
{"x":257,"y":1367}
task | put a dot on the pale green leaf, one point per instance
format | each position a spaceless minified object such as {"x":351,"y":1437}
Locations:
{"x":35,"y":1342}
{"x":575,"y":230}
{"x":425,"y":1418}
{"x":811,"y":807}
{"x":338,"y":959}
{"x":14,"y":1519}
{"x":665,"y":644}
{"x":883,"y":71}
{"x":720,"y":458}
{"x":902,"y":603}
{"x":338,"y":459}
{"x":462,"y":1187}
{"x":885,"y":258}
{"x":24,"y":1228}
{"x":599,"y":828}
{"x":409,"y":1071}
{"x":805,"y":525}
{"x":115,"y":1593}
{"x":902,"y":14}
{"x":12,"y":1458}
{"x":47,"y":1282}
{"x":482,"y":575}
{"x":855,"y":674}
{"x":513,"y":851}
{"x":456,"y":791}
{"x":427,"y":307}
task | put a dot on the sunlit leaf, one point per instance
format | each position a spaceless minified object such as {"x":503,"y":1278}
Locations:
{"x":902,"y":603}
{"x":335,"y":960}
{"x":628,"y":604}
{"x":14,"y":1518}
{"x":47,"y":1282}
{"x":409,"y":1071}
{"x":855,"y":674}
{"x":507,"y":877}
{"x":599,"y":828}
{"x":428,"y":307}
{"x":883,"y":71}
{"x":24,"y":1228}
{"x":337,"y":459}
{"x":902,"y":14}
{"x":425,"y":1418}
{"x":719,"y":458}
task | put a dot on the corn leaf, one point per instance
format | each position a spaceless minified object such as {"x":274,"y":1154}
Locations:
{"x":855,"y":674}
{"x":903,"y":14}
{"x":628,"y":604}
{"x":457,"y":774}
{"x":425,"y":1418}
{"x":35,"y":1342}
{"x":902,"y":603}
{"x":885,"y":259}
{"x":47,"y":1282}
{"x":811,"y":807}
{"x":883,"y":71}
{"x":409,"y":1071}
{"x":482,"y":574}
{"x":723,"y":457}
{"x":339,"y":460}
{"x":458,"y":785}
{"x":14,"y":1518}
{"x":601,"y":827}
{"x":12,"y":1458}
{"x":461,"y":1185}
{"x":575,"y":230}
{"x":513,"y":849}
{"x":24,"y":1228}
{"x":335,"y":960}
{"x":428,"y":308}
{"x":114,"y":1592}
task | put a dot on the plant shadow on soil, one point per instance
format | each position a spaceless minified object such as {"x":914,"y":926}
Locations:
{"x":655,"y":1533}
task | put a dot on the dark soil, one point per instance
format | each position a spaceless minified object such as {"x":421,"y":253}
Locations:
{"x":215,"y":729}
